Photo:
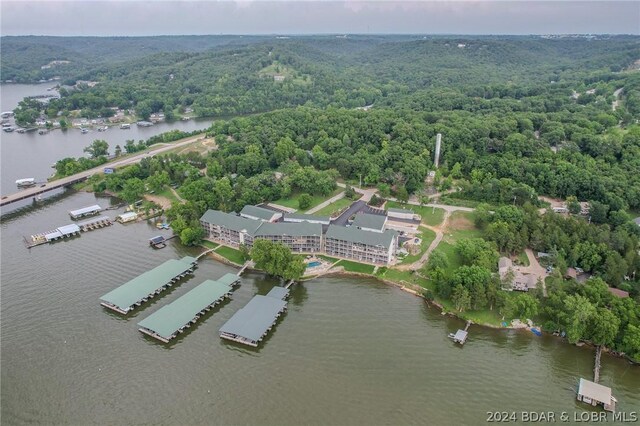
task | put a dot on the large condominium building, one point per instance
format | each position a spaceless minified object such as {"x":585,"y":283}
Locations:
{"x":301,"y":237}
{"x":234,"y":230}
{"x":360,"y":245}
{"x":229,"y":228}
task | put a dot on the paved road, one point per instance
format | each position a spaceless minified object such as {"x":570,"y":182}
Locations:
{"x":30,"y":192}
{"x":616,"y":102}
{"x":354,"y":208}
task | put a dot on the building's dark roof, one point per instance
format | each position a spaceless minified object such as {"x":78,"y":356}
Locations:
{"x":254,"y":320}
{"x":371,"y":221}
{"x":259,"y":212}
{"x":356,"y":235}
{"x":302,"y":229}
{"x":231,"y":221}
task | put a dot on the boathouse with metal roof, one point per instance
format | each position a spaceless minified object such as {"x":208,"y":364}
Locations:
{"x":170,"y":320}
{"x":252,"y":323}
{"x":147,"y":285}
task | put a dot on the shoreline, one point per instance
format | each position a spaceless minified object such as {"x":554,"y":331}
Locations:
{"x":433,"y":303}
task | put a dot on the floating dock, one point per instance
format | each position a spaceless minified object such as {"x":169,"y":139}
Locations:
{"x":95,"y":223}
{"x":157,"y":242}
{"x":461,"y":335}
{"x":250,"y":324}
{"x":147,"y":285}
{"x":167,"y":322}
{"x":85,"y":211}
{"x":65,"y":231}
{"x":127,"y":217}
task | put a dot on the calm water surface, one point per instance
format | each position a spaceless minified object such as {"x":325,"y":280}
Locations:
{"x":349,"y":351}
{"x":32,"y":155}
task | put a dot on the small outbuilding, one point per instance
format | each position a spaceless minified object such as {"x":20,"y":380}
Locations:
{"x":127,"y":217}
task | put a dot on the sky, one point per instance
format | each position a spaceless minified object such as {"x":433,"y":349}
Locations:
{"x":165,"y":17}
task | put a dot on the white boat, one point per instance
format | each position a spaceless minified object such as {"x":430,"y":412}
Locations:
{"x":125,"y":126}
{"x":26,"y":182}
{"x":83,"y":130}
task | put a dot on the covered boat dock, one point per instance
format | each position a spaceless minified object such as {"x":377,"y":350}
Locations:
{"x":250,"y":324}
{"x":229,"y":279}
{"x":147,"y":285}
{"x":85,"y":211}
{"x":596,"y":394}
{"x":167,"y":322}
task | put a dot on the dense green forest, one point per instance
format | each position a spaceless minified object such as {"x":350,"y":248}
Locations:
{"x":520,"y":117}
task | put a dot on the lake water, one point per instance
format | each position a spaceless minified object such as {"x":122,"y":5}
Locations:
{"x":32,"y":155}
{"x":348,"y":351}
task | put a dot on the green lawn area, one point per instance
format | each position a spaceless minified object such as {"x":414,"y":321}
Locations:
{"x":168,"y":194}
{"x":427,"y":236}
{"x":231,"y":254}
{"x":334,"y":207}
{"x":401,"y":277}
{"x":209,"y":245}
{"x":523,"y":259}
{"x":356,"y":267}
{"x":430,"y":216}
{"x":327,"y":258}
{"x":292,"y":200}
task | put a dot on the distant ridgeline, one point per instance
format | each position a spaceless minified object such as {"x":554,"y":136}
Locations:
{"x":222,"y":75}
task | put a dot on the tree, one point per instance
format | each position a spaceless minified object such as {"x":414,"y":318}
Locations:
{"x":573,"y":205}
{"x":192,"y":236}
{"x":276,"y":259}
{"x":118,"y":151}
{"x":461,"y":298}
{"x":158,"y":180}
{"x":402,"y":195}
{"x":577,"y":315}
{"x":304,"y":201}
{"x":521,"y":306}
{"x":97,"y":148}
{"x":132,"y":190}
{"x":631,"y":341}
{"x":284,"y":150}
{"x":224,"y":191}
{"x":604,"y":327}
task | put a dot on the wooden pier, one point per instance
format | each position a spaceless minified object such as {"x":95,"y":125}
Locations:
{"x":96,"y":223}
{"x":596,"y":367}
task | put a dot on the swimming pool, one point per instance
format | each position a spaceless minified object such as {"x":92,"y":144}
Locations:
{"x":313,"y":264}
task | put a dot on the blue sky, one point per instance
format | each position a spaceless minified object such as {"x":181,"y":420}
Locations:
{"x":105,"y":18}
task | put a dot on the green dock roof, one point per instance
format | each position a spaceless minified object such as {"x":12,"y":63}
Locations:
{"x":253,"y":321}
{"x":228,"y":279}
{"x":167,"y":320}
{"x":147,"y":283}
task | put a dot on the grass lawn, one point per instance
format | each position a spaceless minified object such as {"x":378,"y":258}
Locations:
{"x":327,"y":258}
{"x":427,"y":236}
{"x":356,"y":267}
{"x":209,"y":245}
{"x":334,"y":207}
{"x":231,"y":254}
{"x":292,"y":200}
{"x":169,"y":195}
{"x":401,"y":277}
{"x":430,"y":216}
{"x":523,"y":259}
